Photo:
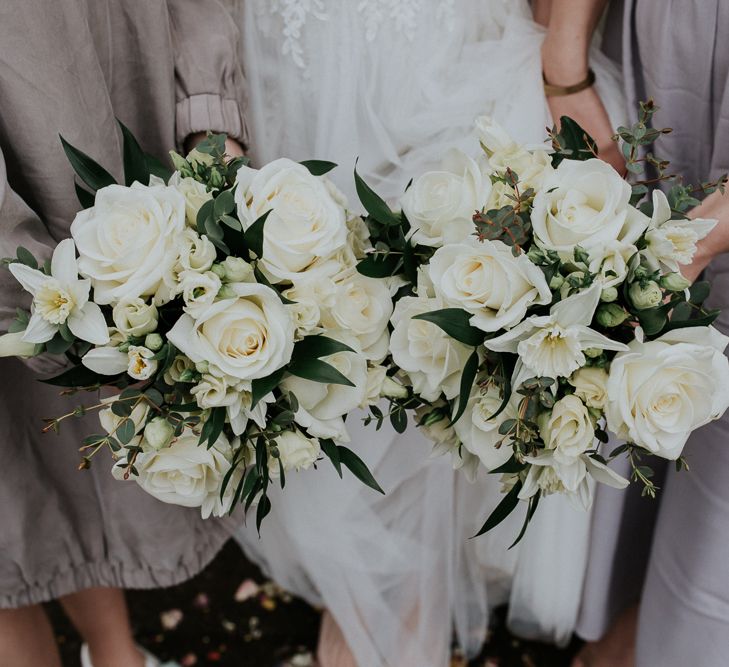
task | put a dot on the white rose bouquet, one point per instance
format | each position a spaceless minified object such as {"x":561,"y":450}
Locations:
{"x":541,"y":306}
{"x":223,"y":304}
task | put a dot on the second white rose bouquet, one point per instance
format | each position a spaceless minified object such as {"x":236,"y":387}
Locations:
{"x":223,"y":304}
{"x":542,"y":307}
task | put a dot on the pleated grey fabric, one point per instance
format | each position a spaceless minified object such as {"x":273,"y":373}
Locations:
{"x":166,"y":68}
{"x":678,"y":54}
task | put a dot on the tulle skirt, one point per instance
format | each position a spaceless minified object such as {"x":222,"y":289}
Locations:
{"x":328,"y":81}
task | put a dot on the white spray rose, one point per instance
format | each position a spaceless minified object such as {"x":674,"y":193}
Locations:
{"x":485,"y":279}
{"x":158,"y":433}
{"x":141,"y":366}
{"x":306,"y":225}
{"x":660,"y":391}
{"x":376,"y":376}
{"x":214,"y":392}
{"x":198,"y":290}
{"x":568,"y":429}
{"x":585,"y":203}
{"x":127,"y":241}
{"x":135,"y":317}
{"x":295,"y":451}
{"x":247,"y":337}
{"x":432,"y":359}
{"x":609,"y":261}
{"x":197,"y":253}
{"x":440,"y":204}
{"x":195,"y":194}
{"x":590,"y":385}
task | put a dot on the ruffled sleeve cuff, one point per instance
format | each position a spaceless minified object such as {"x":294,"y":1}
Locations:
{"x":200,"y":113}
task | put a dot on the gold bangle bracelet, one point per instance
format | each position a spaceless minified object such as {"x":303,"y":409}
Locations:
{"x":552,"y":90}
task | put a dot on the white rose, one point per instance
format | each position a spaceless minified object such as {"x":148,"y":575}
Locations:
{"x":362,"y":306}
{"x":127,"y":241}
{"x":322,"y":406}
{"x":358,"y":237}
{"x":141,"y":366}
{"x":376,"y":376}
{"x":432,"y":359}
{"x":110,"y":422}
{"x":135,"y":317}
{"x":198,"y":290}
{"x":306,"y":224}
{"x":195,"y":194}
{"x":585,"y":203}
{"x":590,"y":385}
{"x":295,"y":451}
{"x":197,"y":253}
{"x":609,"y":261}
{"x":214,"y":392}
{"x":158,"y":433}
{"x":479,"y":430}
{"x":660,"y":391}
{"x":568,"y":429}
{"x":247,"y":337}
{"x":440,"y":204}
{"x":503,"y":152}
{"x":673,"y":242}
{"x":184,"y":473}
{"x":485,"y":279}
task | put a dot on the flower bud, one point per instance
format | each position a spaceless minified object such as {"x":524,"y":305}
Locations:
{"x":196,"y":157}
{"x":393,"y":389}
{"x":610,"y":315}
{"x":188,"y":375}
{"x":158,"y":433}
{"x":236,"y":270}
{"x":217,"y":180}
{"x":154,"y":342}
{"x":556,"y":282}
{"x":202,"y":366}
{"x":609,"y":294}
{"x":180,"y":164}
{"x":592,"y":352}
{"x":645,"y":296}
{"x":675,"y":282}
{"x":432,"y":418}
{"x":226,"y":292}
{"x":218,"y":270}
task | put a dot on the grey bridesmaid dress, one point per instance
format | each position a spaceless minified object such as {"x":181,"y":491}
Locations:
{"x":676,"y":52}
{"x":166,"y":68}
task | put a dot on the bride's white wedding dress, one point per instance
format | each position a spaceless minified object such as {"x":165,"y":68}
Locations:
{"x":396,"y":83}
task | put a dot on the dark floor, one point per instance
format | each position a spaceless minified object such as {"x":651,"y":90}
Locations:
{"x":230,"y":616}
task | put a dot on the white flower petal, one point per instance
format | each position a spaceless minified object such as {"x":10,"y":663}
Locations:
{"x":63,"y":264}
{"x":89,"y":324}
{"x":578,"y":308}
{"x":13,"y":345}
{"x":106,"y":360}
{"x":30,"y":279}
{"x":39,"y":330}
{"x":604,"y":474}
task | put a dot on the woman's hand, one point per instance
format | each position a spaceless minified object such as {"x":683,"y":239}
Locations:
{"x":715,"y":206}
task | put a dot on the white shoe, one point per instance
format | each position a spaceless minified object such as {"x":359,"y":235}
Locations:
{"x":149,"y":659}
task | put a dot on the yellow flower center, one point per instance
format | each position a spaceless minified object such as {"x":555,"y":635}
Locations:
{"x":53,"y":303}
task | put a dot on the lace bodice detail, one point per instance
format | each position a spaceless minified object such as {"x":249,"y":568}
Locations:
{"x":402,"y":16}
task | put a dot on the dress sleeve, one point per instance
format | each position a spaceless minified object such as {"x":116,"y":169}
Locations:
{"x":210,"y":85}
{"x":20,"y":226}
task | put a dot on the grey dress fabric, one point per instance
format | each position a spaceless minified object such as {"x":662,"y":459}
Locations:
{"x":166,"y":69}
{"x":678,"y":53}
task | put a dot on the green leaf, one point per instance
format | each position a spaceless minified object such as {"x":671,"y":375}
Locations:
{"x":261,"y":387}
{"x":135,"y":162}
{"x":373,"y":203}
{"x":511,"y":466}
{"x":58,"y":345}
{"x":78,"y":376}
{"x":379,"y":265}
{"x":26,"y":257}
{"x":253,"y":236}
{"x":653,"y":320}
{"x":358,"y":468}
{"x":203,"y":214}
{"x":574,"y":139}
{"x":90,"y":172}
{"x":262,"y":511}
{"x":157,"y":168}
{"x":126,"y":431}
{"x":699,"y":292}
{"x":223,"y":204}
{"x":317,"y":370}
{"x":331,"y":450}
{"x":318,"y":346}
{"x":533,"y":502}
{"x":213,"y":427}
{"x":503,"y":509}
{"x":231,"y":222}
{"x":456,"y":323}
{"x":121,"y":408}
{"x":467,"y":378}
{"x":319,"y":167}
{"x":399,"y":420}
{"x":85,"y":198}
{"x":154,"y":396}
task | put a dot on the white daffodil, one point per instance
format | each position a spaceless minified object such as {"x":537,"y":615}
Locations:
{"x":553,"y":345}
{"x":673,"y":242}
{"x":548,"y":475}
{"x":61,"y":298}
